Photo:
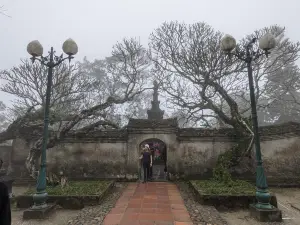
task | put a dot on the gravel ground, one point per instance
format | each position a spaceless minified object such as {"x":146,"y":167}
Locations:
{"x":87,"y":216}
{"x":59,"y":217}
{"x":94,"y":215}
{"x":285,"y":198}
{"x":200,"y":214}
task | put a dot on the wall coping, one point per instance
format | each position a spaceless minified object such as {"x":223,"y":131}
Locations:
{"x":153,"y":124}
{"x":265,"y":131}
{"x":169,"y":126}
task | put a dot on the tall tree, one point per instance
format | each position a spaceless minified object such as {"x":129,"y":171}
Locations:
{"x":4,"y":122}
{"x":3,"y":11}
{"x":119,"y":81}
{"x":90,"y":92}
{"x":281,"y":87}
{"x":283,"y":95}
{"x":27,"y":82}
{"x":199,"y":78}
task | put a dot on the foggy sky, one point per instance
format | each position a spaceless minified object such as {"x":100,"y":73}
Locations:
{"x":98,"y":24}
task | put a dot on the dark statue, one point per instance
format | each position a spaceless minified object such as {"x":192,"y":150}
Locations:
{"x":155,"y":113}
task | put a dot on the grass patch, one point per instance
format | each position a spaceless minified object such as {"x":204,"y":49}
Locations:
{"x":212,"y":187}
{"x":13,"y":203}
{"x":77,"y":188}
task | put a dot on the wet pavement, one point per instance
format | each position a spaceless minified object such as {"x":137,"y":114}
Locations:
{"x":149,"y":203}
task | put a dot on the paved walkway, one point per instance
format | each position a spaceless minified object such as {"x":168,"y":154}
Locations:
{"x":151,"y":203}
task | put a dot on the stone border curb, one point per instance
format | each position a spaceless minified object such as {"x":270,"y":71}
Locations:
{"x":67,"y":202}
{"x":227,"y":201}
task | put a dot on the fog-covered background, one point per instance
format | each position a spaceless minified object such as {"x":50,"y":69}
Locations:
{"x":97,"y":26}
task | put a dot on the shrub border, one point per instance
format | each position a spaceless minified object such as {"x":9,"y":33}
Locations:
{"x":67,"y":201}
{"x":227,"y":201}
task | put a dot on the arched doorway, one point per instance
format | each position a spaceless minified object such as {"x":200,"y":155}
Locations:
{"x":159,"y":154}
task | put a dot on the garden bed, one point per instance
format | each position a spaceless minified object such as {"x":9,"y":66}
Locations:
{"x":74,"y":196}
{"x":239,"y":194}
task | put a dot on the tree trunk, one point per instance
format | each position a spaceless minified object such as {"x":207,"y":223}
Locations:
{"x":36,"y":149}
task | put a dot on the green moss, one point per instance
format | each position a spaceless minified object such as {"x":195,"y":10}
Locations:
{"x":13,"y":203}
{"x":77,"y":188}
{"x":213,"y":187}
{"x":229,"y":159}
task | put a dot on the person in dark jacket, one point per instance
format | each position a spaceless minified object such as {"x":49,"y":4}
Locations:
{"x":151,"y":167}
{"x":5,"y":212}
{"x":146,"y":158}
{"x":141,"y":166}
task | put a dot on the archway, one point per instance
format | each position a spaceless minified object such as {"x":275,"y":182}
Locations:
{"x":159,"y":154}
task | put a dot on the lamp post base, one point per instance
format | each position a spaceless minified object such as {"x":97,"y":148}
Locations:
{"x":265,"y":215}
{"x":42,"y":212}
{"x":40,"y":200}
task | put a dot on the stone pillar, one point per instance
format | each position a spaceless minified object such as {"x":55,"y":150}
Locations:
{"x":132,"y":163}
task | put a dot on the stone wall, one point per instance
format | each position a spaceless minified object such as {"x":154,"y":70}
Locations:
{"x":198,"y":151}
{"x":86,"y":159}
{"x":197,"y":156}
{"x":114,"y":154}
{"x":98,"y":155}
{"x":282,"y":157}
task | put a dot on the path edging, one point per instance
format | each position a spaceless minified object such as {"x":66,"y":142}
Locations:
{"x":67,"y":202}
{"x":228,"y":201}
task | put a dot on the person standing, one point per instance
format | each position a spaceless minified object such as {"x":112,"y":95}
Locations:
{"x":146,"y":158}
{"x":1,"y":163}
{"x":5,"y":212}
{"x":151,"y":167}
{"x":141,"y":169}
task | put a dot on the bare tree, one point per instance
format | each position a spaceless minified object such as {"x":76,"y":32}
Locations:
{"x":3,"y":117}
{"x":27,"y":82}
{"x":188,"y":59}
{"x":120,"y":80}
{"x":3,"y":11}
{"x":111,"y":74}
{"x":282,"y":95}
{"x":85,"y":96}
{"x":277,"y":75}
{"x":199,"y":78}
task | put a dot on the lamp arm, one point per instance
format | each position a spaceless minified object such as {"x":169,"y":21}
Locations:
{"x":49,"y":64}
{"x":237,"y":55}
{"x":63,"y":59}
{"x":250,"y":44}
{"x":40,"y":60}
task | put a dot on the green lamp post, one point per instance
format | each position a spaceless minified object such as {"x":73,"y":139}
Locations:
{"x":267,"y":42}
{"x":35,"y":49}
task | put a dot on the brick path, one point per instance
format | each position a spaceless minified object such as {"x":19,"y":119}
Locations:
{"x":150,"y":203}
